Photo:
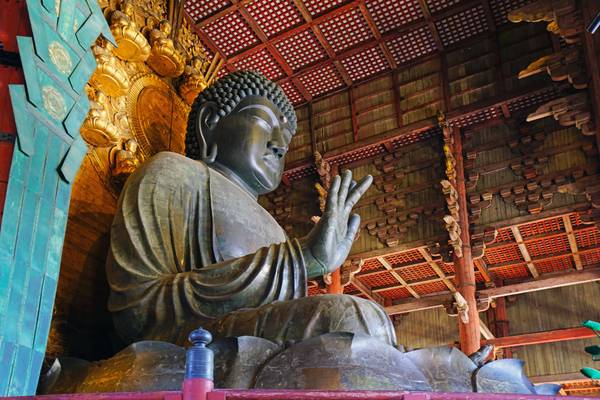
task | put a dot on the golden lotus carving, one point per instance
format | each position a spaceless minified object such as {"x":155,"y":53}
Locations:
{"x":109,"y":77}
{"x":164,"y":59}
{"x":195,"y":81}
{"x":123,"y":159}
{"x":131,"y":43}
{"x":98,"y":129}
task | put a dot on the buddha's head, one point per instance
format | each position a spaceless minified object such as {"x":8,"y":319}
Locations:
{"x":243,"y":123}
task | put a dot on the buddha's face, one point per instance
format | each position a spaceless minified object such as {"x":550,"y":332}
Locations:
{"x":252,"y":141}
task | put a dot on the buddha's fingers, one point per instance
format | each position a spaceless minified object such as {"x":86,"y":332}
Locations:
{"x":345,"y":185}
{"x":357,"y":192}
{"x":333,"y":194}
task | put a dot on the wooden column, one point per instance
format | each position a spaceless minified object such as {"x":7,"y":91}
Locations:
{"x":464,"y":267}
{"x":336,"y":282}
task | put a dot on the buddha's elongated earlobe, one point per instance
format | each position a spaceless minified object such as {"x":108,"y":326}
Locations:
{"x":206,"y":122}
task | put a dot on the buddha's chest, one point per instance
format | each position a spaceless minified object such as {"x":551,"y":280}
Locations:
{"x":240,"y":225}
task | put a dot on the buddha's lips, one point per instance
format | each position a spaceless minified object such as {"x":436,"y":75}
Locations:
{"x":272,"y":161}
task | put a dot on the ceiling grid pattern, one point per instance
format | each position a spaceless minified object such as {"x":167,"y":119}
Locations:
{"x":306,"y":36}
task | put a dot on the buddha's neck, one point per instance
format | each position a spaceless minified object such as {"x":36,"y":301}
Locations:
{"x":232,"y":176}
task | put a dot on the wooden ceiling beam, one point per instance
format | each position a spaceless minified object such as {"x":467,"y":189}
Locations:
{"x":396,"y":275}
{"x":524,"y":252}
{"x":572,"y":241}
{"x":552,"y":281}
{"x":482,"y":268}
{"x":527,"y":339}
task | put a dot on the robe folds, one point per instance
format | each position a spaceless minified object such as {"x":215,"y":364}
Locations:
{"x":190,"y":248}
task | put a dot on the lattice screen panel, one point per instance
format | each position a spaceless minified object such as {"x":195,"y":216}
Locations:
{"x":504,"y":235}
{"x":382,"y":279}
{"x":317,"y":7}
{"x":448,"y":268}
{"x":202,"y":9}
{"x":361,"y":154}
{"x":415,"y":137}
{"x":511,"y":272}
{"x":417,"y":272}
{"x":558,"y":264}
{"x":404,"y":258}
{"x":392,"y":14}
{"x":413,"y":44}
{"x":365,"y":64}
{"x":575,"y":219}
{"x":476,"y":118}
{"x":338,"y":35}
{"x":274,"y":16}
{"x":541,"y":227}
{"x":501,"y":8}
{"x":531,"y":101}
{"x":587,"y":238}
{"x":350,"y":288}
{"x":371,"y":264}
{"x":589,"y":258}
{"x":438,"y":5}
{"x":462,"y":26}
{"x":228,"y":40}
{"x":292,"y":93}
{"x":502,"y":254}
{"x":322,"y":80}
{"x":430,"y":288}
{"x":547,"y":246}
{"x":312,"y":51}
{"x":398,"y":293}
{"x":264,"y":62}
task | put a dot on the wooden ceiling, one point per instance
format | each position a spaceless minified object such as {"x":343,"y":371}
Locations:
{"x":315,"y":47}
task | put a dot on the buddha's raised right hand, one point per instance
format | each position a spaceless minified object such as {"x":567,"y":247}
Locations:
{"x":327,"y":245}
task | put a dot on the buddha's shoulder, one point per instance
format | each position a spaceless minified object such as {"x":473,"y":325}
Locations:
{"x":171,"y":168}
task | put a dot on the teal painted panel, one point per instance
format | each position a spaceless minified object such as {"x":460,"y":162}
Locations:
{"x":7,"y":352}
{"x":36,"y":173}
{"x":57,"y":63}
{"x":45,"y":314}
{"x":66,"y":20}
{"x":94,"y":8}
{"x":71,"y":162}
{"x":81,"y":75}
{"x":75,"y":119}
{"x":20,"y":370}
{"x":25,"y":127}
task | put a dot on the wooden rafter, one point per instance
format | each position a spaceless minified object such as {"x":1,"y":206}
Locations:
{"x":396,"y":275}
{"x":572,"y":241}
{"x":524,"y":252}
{"x":592,"y":63}
{"x":552,"y":281}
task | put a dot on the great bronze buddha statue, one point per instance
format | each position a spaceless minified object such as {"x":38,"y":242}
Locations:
{"x":190,"y":245}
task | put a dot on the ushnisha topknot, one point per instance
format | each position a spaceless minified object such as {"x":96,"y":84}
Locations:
{"x":227,"y":92}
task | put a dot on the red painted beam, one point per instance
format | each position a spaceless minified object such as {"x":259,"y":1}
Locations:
{"x":527,"y":339}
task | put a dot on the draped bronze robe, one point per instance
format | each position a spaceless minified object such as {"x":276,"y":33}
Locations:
{"x":189,"y":247}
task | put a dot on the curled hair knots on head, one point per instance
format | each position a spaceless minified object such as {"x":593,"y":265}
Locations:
{"x":226,"y":93}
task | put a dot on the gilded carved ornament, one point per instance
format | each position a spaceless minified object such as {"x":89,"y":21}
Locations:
{"x":134,"y":112}
{"x":131,"y":43}
{"x":562,"y":16}
{"x":164,"y":59}
{"x":109,"y":75}
{"x":98,"y":129}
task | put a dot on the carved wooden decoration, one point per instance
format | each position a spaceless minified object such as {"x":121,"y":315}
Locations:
{"x":324,"y":172}
{"x":566,"y":64}
{"x":349,"y":269}
{"x":568,"y":111}
{"x":451,"y":221}
{"x":281,"y":209}
{"x":480,"y":238}
{"x":562,"y":16}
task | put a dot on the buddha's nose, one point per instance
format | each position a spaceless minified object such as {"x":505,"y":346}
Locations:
{"x":277,"y":149}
